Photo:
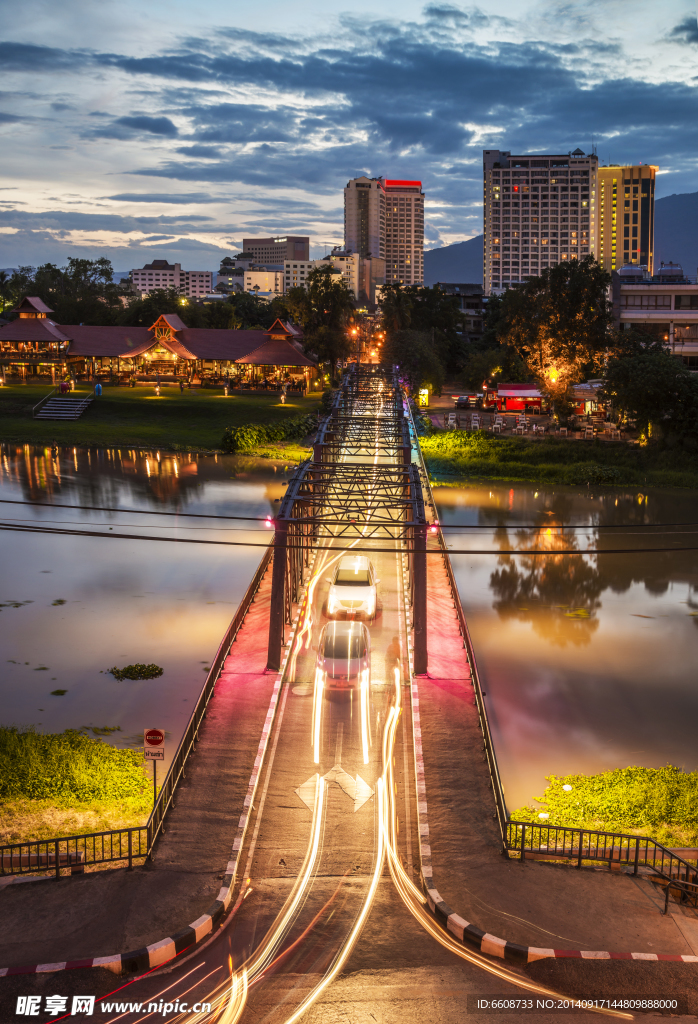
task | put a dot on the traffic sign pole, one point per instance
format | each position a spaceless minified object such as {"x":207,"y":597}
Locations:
{"x":154,"y":750}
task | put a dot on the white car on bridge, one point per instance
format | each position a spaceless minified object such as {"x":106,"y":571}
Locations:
{"x":353,"y":589}
{"x":344,"y":655}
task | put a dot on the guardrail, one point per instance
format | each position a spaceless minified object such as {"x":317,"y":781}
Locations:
{"x":495,"y":778}
{"x":191,"y":733}
{"x":76,"y":852}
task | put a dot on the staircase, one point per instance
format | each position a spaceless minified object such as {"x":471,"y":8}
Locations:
{"x":63,"y":407}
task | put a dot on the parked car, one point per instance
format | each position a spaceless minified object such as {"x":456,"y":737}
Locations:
{"x":344,"y":655}
{"x":353,"y":589}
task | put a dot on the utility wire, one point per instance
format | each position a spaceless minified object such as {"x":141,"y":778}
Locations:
{"x":263,"y":518}
{"x":11,"y":527}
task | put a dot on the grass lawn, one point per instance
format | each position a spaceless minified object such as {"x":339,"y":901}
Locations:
{"x":464,"y":455}
{"x":137,"y":416}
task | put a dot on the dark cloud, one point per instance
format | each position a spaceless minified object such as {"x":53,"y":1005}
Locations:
{"x":9,"y":118}
{"x":686,"y":31}
{"x":73,"y":220}
{"x":178,"y":199}
{"x":132,"y":127}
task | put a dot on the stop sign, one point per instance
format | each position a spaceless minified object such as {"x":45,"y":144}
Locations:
{"x":154,"y":737}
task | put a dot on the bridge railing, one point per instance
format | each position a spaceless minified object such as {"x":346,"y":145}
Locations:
{"x":187,"y":744}
{"x":488,"y":745}
{"x":126,"y":844}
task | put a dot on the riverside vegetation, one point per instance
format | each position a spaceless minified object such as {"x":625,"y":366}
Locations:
{"x":661,"y":803}
{"x":57,"y":784}
{"x":462,"y":454}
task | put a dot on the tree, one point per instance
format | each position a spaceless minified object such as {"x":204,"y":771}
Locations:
{"x":559,"y":323}
{"x":430,"y":311}
{"x":4,"y":288}
{"x":645,"y":382}
{"x":329,"y":344}
{"x":416,"y":358}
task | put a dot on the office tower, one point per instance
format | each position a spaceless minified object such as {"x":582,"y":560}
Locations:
{"x":539,"y":209}
{"x":277,"y":250}
{"x":384,"y":219}
{"x":626,"y":216}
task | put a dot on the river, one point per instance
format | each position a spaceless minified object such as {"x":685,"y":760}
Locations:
{"x":588,"y":661}
{"x":74,"y":606}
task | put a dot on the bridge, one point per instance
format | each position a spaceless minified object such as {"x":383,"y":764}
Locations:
{"x":304,"y":799}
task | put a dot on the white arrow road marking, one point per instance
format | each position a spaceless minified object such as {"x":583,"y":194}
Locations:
{"x":356,"y":789}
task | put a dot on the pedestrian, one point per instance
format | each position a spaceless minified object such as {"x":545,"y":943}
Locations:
{"x":181,"y":385}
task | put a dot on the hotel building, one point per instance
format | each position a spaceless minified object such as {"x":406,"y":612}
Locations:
{"x":163,"y":276}
{"x":625,"y":200}
{"x":384,"y":219}
{"x":538,"y":210}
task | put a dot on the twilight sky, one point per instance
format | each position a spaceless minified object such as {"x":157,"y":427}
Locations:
{"x":171,"y":129}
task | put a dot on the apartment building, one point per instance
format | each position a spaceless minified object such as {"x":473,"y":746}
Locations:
{"x":266,"y":281}
{"x":163,"y":276}
{"x":625,"y":204}
{"x":538,"y":210}
{"x":664,"y":304}
{"x":277,"y":249}
{"x":384,"y":219}
{"x":362,"y":275}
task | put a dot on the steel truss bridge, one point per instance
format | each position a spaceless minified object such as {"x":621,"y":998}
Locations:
{"x":359,"y":487}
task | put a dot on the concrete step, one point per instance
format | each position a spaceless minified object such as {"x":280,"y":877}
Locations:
{"x":63,"y":408}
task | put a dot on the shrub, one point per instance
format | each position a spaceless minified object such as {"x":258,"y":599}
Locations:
{"x":659,"y":802}
{"x":66,"y":765}
{"x":137,"y":671}
{"x":327,"y":397}
{"x":253,"y":435}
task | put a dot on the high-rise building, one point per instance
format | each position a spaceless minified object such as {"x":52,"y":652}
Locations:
{"x":539,"y":209}
{"x":384,"y":219}
{"x":625,"y":200}
{"x":277,"y":250}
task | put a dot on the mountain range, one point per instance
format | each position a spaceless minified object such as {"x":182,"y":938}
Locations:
{"x":675,"y":240}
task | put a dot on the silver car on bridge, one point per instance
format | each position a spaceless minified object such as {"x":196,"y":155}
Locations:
{"x":344,"y":655}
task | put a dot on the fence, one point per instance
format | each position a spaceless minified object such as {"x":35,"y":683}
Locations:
{"x":75,"y":852}
{"x":495,"y":778}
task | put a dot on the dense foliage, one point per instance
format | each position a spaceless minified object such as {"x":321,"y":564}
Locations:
{"x":649,"y":385}
{"x":558,"y":324}
{"x":324,"y":308}
{"x":423,"y":328}
{"x":66,"y":765}
{"x":84,"y":292}
{"x":137,"y":671}
{"x":659,"y":802}
{"x":253,"y":435}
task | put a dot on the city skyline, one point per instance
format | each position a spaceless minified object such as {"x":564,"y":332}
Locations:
{"x":164,"y":136}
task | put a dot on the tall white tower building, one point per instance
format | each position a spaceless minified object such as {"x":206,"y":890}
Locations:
{"x":384,"y":218}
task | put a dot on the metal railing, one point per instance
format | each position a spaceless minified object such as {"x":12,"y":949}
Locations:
{"x":43,"y":401}
{"x":488,"y":745}
{"x":127,"y":844}
{"x":165,"y":798}
{"x":583,"y":844}
{"x":74,"y":852}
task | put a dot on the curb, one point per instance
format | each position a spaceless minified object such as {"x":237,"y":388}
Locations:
{"x":158,"y":953}
{"x":467,"y":933}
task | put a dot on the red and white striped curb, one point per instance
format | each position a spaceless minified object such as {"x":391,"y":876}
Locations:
{"x":160,"y":952}
{"x":467,"y":933}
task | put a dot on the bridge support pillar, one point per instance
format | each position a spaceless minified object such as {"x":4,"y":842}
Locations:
{"x":419,"y":607}
{"x":278,"y":583}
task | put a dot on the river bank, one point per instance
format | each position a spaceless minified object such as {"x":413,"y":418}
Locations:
{"x":456,"y":455}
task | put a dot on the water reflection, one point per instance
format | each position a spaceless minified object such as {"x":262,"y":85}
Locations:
{"x":587,"y":659}
{"x":72,"y":606}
